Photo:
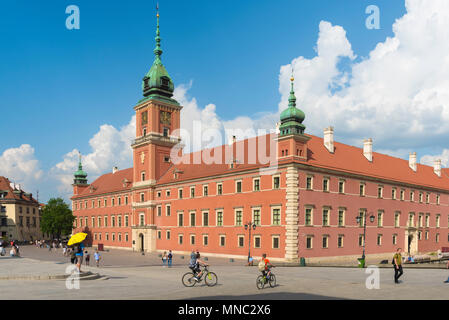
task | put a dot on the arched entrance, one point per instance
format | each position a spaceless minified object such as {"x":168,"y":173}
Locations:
{"x":141,"y":242}
{"x":410,"y":239}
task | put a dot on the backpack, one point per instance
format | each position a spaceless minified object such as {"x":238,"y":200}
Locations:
{"x":261,"y":265}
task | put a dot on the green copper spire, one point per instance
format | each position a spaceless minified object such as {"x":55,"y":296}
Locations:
{"x":80,"y":175}
{"x":292,"y":117}
{"x":157,"y":83}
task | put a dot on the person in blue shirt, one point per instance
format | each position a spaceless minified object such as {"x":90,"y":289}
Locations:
{"x":79,"y":249}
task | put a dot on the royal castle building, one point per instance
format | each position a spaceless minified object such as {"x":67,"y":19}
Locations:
{"x":305,"y":203}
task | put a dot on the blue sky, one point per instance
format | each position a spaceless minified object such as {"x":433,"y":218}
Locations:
{"x":58,"y":86}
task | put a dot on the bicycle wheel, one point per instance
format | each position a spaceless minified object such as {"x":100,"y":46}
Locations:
{"x":272,"y":280}
{"x":187,"y":279}
{"x":211,"y":279}
{"x":260,"y":282}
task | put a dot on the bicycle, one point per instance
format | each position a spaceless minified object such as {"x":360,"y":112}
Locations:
{"x":262,"y":280}
{"x":210,"y":278}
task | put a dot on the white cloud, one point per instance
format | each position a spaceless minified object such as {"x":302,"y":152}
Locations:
{"x":20,"y":166}
{"x":444,"y":157}
{"x":110,"y":147}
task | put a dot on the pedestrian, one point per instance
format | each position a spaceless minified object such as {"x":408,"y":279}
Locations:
{"x":79,"y":250}
{"x":97,"y":257}
{"x":164,"y":259}
{"x":64,"y":251}
{"x":250,"y":261}
{"x":54,"y":246}
{"x":87,"y":257}
{"x":169,"y":258}
{"x":397,"y":263}
{"x":72,"y":256}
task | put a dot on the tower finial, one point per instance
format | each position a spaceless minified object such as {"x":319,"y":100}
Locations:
{"x":158,"y":50}
{"x":292,"y":98}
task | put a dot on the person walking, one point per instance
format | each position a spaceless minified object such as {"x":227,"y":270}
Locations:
{"x":397,"y":263}
{"x":64,"y":251}
{"x":87,"y":257}
{"x":97,"y":257}
{"x":164,"y":259}
{"x":169,"y":258}
{"x":79,"y":249}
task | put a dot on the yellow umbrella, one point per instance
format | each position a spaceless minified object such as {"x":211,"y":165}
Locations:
{"x":77,"y":238}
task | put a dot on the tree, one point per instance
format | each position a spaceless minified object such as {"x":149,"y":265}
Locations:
{"x":57,"y":218}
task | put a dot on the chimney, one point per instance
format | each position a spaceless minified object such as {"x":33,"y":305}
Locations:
{"x":412,"y":161}
{"x":368,"y":149}
{"x":278,"y":124}
{"x":329,"y":139}
{"x":114,"y":170}
{"x":437,"y":167}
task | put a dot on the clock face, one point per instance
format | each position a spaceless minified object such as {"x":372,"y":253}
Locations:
{"x":144,"y":117}
{"x":165,"y":117}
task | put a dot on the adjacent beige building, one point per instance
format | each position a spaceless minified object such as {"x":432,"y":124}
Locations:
{"x":20,"y":213}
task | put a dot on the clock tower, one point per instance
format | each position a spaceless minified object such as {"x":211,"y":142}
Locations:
{"x":157,"y":124}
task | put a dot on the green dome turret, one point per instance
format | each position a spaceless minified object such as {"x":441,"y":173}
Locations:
{"x":292,"y":117}
{"x":157,"y":82}
{"x":80,"y":175}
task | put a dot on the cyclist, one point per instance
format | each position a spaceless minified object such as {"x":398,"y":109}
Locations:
{"x":195,"y":263}
{"x":265,"y":266}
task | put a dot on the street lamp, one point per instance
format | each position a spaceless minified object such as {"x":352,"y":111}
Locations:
{"x":359,"y":219}
{"x":248,"y":226}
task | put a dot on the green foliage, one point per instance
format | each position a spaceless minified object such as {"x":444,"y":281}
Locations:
{"x":57,"y":218}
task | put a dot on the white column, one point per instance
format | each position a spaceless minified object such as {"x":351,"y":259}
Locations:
{"x":292,"y":215}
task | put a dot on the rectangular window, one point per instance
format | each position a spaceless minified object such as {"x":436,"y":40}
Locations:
{"x":142,"y":197}
{"x":256,"y":241}
{"x":99,"y":236}
{"x":420,"y":220}
{"x":126,"y":200}
{"x":240,"y":241}
{"x":126,"y":220}
{"x":105,"y":221}
{"x":427,"y":220}
{"x":222,"y":241}
{"x":113,"y":202}
{"x":309,"y":183}
{"x":402,"y":195}
{"x":438,"y":199}
{"x":420,"y":197}
{"x":119,"y":200}
{"x":205,"y":219}
{"x":379,"y":239}
{"x":119,"y":221}
{"x":437,"y":237}
{"x":180,"y":193}
{"x":276,"y":182}
{"x":341,"y":217}
{"x":410,"y":220}
{"x":219,"y":189}
{"x":192,"y":219}
{"x":113,"y":221}
{"x":168,"y":210}
{"x":308,"y":217}
{"x":167,"y":193}
{"x":113,"y":237}
{"x":205,"y":240}
{"x":341,"y":186}
{"x":205,"y":191}
{"x":219,"y":218}
{"x":180,"y":238}
{"x":93,"y":222}
{"x":180,"y":219}
{"x":119,"y":237}
{"x":326,"y":184}
{"x":168,"y":235}
{"x":393,"y":193}
{"x":380,"y":221}
{"x":276,"y":212}
{"x":396,"y":219}
{"x":309,"y":242}
{"x":142,"y":219}
{"x":325,"y":217}
{"x":105,"y":203}
{"x":325,"y":242}
{"x":362,"y":189}
{"x":361,"y":240}
{"x":256,"y":217}
{"x":437,"y":222}
{"x":427,"y":198}
{"x":256,"y":185}
{"x":192,"y":239}
{"x":159,"y":211}
{"x":192,"y":192}
{"x":275,"y":242}
{"x":107,"y":236}
{"x":427,"y":235}
{"x":412,"y":196}
{"x":238,"y":217}
{"x":362,"y":214}
{"x":395,"y":239}
{"x":380,"y":191}
{"x":340,"y":241}
{"x":238,"y":186}
{"x":99,"y":222}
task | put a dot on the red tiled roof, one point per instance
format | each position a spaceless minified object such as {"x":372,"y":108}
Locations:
{"x":110,"y":182}
{"x":5,"y":185}
{"x":345,"y":158}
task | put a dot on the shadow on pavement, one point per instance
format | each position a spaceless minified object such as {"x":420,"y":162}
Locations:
{"x":270,"y":296}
